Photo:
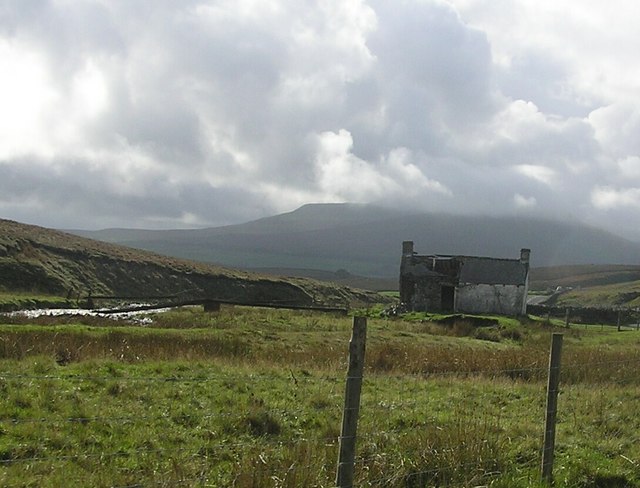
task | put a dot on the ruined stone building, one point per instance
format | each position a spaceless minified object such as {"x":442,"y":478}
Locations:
{"x":465,"y":284}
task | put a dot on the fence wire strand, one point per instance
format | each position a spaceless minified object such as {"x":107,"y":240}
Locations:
{"x":368,"y":375}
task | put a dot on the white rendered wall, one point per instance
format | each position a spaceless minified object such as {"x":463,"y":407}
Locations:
{"x":500,"y":299}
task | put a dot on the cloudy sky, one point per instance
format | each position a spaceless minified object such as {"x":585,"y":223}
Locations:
{"x":165,"y":114}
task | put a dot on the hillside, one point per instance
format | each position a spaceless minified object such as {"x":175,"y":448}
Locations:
{"x":592,"y":286}
{"x":582,"y":276}
{"x":40,"y":260}
{"x":340,"y":277}
{"x":621,"y":295}
{"x":366,"y":240}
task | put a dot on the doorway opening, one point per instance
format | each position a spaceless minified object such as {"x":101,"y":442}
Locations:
{"x":447,"y":294}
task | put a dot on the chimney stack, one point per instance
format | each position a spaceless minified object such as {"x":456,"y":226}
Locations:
{"x":407,"y":248}
{"x":525,"y":254}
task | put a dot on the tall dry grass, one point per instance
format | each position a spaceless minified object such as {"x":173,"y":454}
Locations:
{"x":300,"y":346}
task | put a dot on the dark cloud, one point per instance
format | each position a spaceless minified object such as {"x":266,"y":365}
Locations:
{"x":428,"y":57}
{"x":538,"y":77}
{"x":82,"y":192}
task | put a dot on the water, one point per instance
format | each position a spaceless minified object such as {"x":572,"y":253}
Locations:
{"x":139,"y":316}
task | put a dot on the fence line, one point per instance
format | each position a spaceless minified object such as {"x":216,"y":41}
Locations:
{"x":151,"y":379}
{"x":371,"y":374}
{"x":371,"y":388}
{"x":384,"y":481}
{"x":165,"y":416}
{"x":127,"y":452}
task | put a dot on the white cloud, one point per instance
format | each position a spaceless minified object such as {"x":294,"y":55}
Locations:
{"x":90,"y":90}
{"x":595,"y":42}
{"x":630,"y":167}
{"x":616,"y":128}
{"x":607,"y":198}
{"x":345,"y":177}
{"x":539,"y":173}
{"x":519,"y":121}
{"x":524,"y":202}
{"x":26,"y":96}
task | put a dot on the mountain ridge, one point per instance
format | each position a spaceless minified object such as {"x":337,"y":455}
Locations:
{"x":366,"y":239}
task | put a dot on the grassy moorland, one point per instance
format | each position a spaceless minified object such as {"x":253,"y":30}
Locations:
{"x":252,"y":398}
{"x":591,"y":286}
{"x":583,"y":276}
{"x":38,"y":260}
{"x":626,"y":295}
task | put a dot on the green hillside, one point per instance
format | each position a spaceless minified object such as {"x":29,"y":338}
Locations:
{"x":598,"y":286}
{"x":625,"y":295}
{"x":38,"y":260}
{"x":583,"y":276}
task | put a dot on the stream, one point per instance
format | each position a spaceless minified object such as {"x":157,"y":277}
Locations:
{"x":137,"y":316}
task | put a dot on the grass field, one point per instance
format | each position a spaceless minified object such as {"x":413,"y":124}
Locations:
{"x":625,"y":295}
{"x":253,"y":398}
{"x":18,"y":301}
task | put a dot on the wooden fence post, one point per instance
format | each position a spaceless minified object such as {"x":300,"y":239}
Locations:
{"x":566,"y":317}
{"x":619,"y":313}
{"x":552,"y":408}
{"x":346,"y":459}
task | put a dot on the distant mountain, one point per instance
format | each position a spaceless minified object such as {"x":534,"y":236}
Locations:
{"x":36,"y":259}
{"x":340,"y":277}
{"x":366,"y":240}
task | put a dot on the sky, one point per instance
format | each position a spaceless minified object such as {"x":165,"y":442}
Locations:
{"x":179,"y":114}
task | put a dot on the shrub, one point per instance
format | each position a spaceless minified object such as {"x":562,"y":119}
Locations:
{"x":511,"y":333}
{"x":262,"y":423}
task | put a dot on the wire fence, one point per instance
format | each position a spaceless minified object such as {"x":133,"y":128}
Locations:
{"x":449,"y":425}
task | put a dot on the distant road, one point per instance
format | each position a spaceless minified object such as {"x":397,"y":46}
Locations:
{"x":536,"y":299}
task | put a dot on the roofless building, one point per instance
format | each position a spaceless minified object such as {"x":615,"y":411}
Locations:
{"x":464,"y":284}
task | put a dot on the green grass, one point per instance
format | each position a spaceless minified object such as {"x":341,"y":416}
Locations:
{"x":10,"y":301}
{"x":391,"y":293}
{"x":605,"y":296}
{"x":253,"y":398}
